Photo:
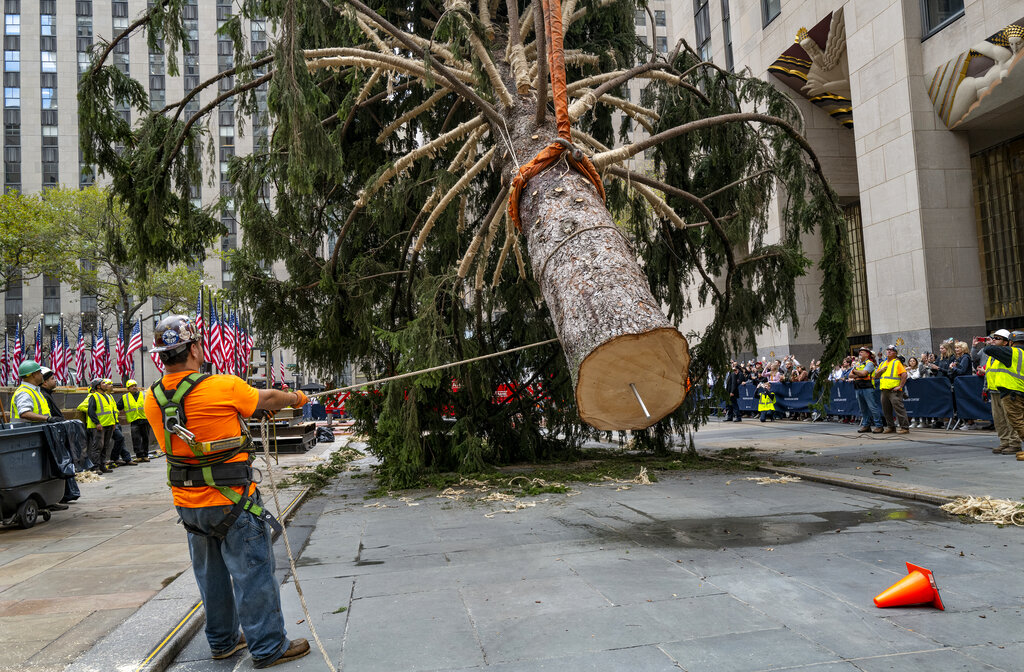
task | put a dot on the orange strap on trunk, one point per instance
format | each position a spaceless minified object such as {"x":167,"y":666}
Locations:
{"x":563,"y":145}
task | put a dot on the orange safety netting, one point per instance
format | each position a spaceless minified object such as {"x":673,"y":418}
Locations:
{"x":546,"y":157}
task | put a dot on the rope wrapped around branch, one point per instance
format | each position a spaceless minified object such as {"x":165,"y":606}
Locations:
{"x":562,"y":145}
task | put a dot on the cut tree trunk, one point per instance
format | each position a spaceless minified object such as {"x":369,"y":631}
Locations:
{"x":612,"y":330}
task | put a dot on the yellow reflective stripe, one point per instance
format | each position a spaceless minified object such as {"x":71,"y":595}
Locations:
{"x":39,"y":404}
{"x":134,"y":407}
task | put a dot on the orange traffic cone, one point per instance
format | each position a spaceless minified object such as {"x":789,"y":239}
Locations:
{"x":917,"y":587}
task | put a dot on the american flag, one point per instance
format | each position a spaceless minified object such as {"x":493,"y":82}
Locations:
{"x":216,"y":356}
{"x":106,"y":355}
{"x":19,"y":348}
{"x":59,"y":356}
{"x":155,"y":356}
{"x":270,"y":367}
{"x":37,"y":355}
{"x":281,"y":365}
{"x":95,"y":361}
{"x":199,"y":318}
{"x":80,"y":357}
{"x":228,"y":343}
{"x":119,"y":350}
{"x":134,"y":345}
{"x":4,"y":372}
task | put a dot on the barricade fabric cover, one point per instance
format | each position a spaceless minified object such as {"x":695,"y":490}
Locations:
{"x":928,"y":398}
{"x":969,"y":404}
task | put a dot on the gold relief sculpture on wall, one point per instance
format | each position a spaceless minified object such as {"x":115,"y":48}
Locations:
{"x":816,"y":67}
{"x":980,"y":79}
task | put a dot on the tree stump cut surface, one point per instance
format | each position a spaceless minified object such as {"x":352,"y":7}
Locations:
{"x":611,"y":328}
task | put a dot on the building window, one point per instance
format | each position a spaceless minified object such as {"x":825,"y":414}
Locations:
{"x":860,"y":315}
{"x":702,"y":23}
{"x":49,"y":97}
{"x":12,"y":96}
{"x":937,"y":14}
{"x":12,"y":61}
{"x":12,"y":24}
{"x":730,"y":65}
{"x":48,"y":61}
{"x":769,"y":10}
{"x":659,"y":17}
{"x":48,"y":25}
{"x":662,"y":43}
{"x":51,"y":300}
{"x":998,"y":184}
{"x":641,"y":17}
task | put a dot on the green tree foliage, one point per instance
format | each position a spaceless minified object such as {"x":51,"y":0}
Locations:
{"x":27,"y":237}
{"x":94,"y":234}
{"x":352,"y":98}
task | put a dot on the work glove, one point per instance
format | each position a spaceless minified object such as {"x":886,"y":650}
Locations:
{"x":52,"y":418}
{"x":301,"y":399}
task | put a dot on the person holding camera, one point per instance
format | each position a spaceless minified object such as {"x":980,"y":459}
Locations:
{"x":1003,"y":379}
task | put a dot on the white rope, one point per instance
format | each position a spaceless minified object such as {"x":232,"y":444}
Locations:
{"x":273,"y":487}
{"x":288,"y":546}
{"x":433,"y":368}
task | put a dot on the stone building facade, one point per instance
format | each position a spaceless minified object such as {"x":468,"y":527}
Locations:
{"x":46,"y":48}
{"x":913,"y":106}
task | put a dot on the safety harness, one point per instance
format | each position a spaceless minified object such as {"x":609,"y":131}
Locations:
{"x":208,"y":466}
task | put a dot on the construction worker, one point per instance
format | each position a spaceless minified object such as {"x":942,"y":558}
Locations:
{"x":99,"y":421}
{"x":892,"y":379}
{"x":28,"y":403}
{"x":766,"y":402}
{"x":1009,"y":441}
{"x":119,"y":455}
{"x":1008,"y":380}
{"x":131,"y":403}
{"x":199,"y":423}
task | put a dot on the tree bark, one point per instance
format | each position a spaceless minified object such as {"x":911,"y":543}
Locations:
{"x":612,"y":330}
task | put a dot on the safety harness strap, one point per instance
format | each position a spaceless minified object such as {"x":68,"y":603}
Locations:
{"x":202,"y":472}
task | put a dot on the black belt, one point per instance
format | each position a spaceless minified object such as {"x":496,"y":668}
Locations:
{"x":229,"y":474}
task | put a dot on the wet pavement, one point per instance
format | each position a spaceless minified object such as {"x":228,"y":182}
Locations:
{"x":699,"y":571}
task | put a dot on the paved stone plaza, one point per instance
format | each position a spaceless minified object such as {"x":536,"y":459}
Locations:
{"x":699,"y":571}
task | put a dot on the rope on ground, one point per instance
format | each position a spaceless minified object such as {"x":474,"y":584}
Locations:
{"x":431,"y":369}
{"x":988,"y":510}
{"x":265,"y":434}
{"x":778,"y":478}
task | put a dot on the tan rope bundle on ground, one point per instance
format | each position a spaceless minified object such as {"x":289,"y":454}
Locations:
{"x":988,"y":510}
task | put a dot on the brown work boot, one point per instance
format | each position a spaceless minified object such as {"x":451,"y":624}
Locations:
{"x":877,"y":430}
{"x":889,"y":430}
{"x":1008,"y":451}
{"x":233,"y":650}
{"x":297,"y":648}
{"x":902,"y":430}
{"x":864,"y":430}
{"x":1020,"y":456}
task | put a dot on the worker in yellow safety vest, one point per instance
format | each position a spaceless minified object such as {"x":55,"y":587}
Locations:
{"x":100,"y":419}
{"x":766,"y":402}
{"x":28,"y":403}
{"x":1009,"y":442}
{"x":892,"y":379}
{"x":1008,"y":380}
{"x":132,"y":402}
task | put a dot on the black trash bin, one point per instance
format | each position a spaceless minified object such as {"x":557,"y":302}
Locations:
{"x":30,"y":479}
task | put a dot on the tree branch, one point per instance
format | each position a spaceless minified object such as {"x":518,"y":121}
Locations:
{"x":489,"y":112}
{"x":542,"y":64}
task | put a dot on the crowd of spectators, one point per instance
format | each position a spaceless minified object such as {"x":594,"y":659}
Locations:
{"x":954,"y":359}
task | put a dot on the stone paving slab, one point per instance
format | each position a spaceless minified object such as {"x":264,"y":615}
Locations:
{"x":699,"y":571}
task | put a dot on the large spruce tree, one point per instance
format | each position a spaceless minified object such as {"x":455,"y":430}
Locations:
{"x":396,"y":129}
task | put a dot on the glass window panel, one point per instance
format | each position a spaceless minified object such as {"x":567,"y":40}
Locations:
{"x":12,"y":61}
{"x":12,"y":24}
{"x":48,"y":25}
{"x":937,"y":13}
{"x":48,"y":61}
{"x":769,"y":10}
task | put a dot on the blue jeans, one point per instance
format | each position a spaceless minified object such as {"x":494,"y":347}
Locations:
{"x":236,"y":581}
{"x":870,"y":409}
